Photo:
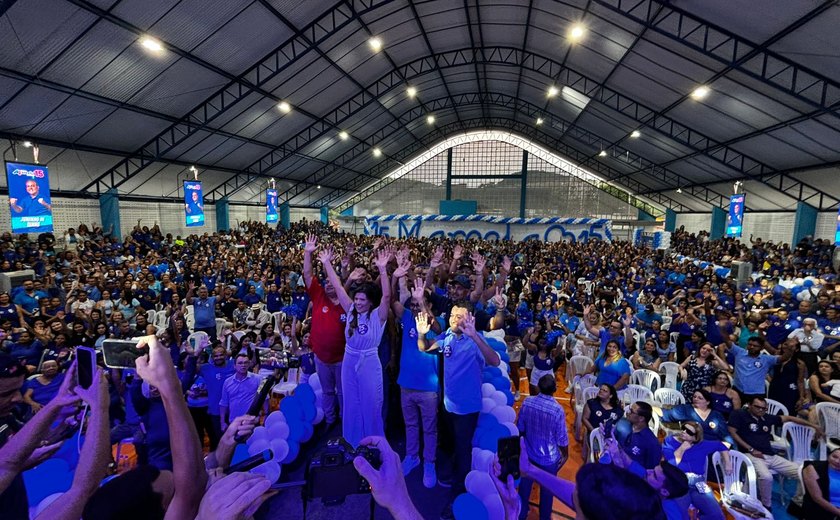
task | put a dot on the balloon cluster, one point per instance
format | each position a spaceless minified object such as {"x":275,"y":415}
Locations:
{"x":496,"y":421}
{"x":294,"y":310}
{"x":286,"y":429}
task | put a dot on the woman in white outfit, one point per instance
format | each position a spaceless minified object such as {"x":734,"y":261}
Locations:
{"x":361,"y":371}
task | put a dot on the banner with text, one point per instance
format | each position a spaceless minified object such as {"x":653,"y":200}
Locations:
{"x":29,"y":197}
{"x":553,"y":229}
{"x":193,"y":203}
{"x":271,"y":215}
{"x":735,"y":217}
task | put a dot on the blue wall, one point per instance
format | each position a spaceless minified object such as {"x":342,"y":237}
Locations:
{"x":458,"y":207}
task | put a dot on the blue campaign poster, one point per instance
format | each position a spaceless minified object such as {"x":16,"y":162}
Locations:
{"x":735,"y":217}
{"x":29,"y":197}
{"x":837,"y":233}
{"x":271,"y":206}
{"x":193,"y":203}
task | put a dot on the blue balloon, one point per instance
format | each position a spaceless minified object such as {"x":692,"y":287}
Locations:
{"x":496,"y":344}
{"x":51,"y":476}
{"x":296,"y":430}
{"x":808,"y":283}
{"x":239,"y":454}
{"x":294,"y":449}
{"x":500,"y":383}
{"x":309,"y":412}
{"x":485,"y":420}
{"x":489,"y":439}
{"x":305,"y":393}
{"x":504,"y":357}
{"x":468,"y":507}
{"x":291,"y":408}
{"x":496,"y":371}
{"x":510,"y":399}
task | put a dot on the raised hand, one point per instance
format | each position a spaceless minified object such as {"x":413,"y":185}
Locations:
{"x":326,"y":255}
{"x":423,"y":323}
{"x":418,"y":292}
{"x":437,"y":258}
{"x":382,"y":259}
{"x":498,"y":300}
{"x":479,"y":263}
{"x":506,"y":264}
{"x":311,"y":244}
{"x":467,"y":325}
{"x":457,"y":252}
{"x":156,"y":368}
{"x":358,"y":274}
{"x":403,"y":266}
{"x":587,"y":310}
{"x":377,"y":243}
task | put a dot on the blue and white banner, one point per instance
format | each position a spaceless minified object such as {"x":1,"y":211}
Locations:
{"x":837,"y":233}
{"x":735,"y":217}
{"x":29,"y":197}
{"x":271,"y":206}
{"x":193,"y":203}
{"x":553,"y":229}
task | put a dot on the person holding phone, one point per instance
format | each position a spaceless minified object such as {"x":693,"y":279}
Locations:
{"x":542,"y":422}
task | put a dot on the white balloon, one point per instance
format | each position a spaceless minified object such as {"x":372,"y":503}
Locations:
{"x":493,"y":503}
{"x":271,"y":470}
{"x":505,"y":369}
{"x":803,"y":296}
{"x":505,"y":414}
{"x":319,"y":415}
{"x":315,"y":382}
{"x":279,"y":430}
{"x":280,"y":448}
{"x":475,"y":453}
{"x":258,"y":446}
{"x":480,"y":484}
{"x":487,"y":404}
{"x":499,"y":398}
{"x":798,"y":281}
{"x":260,"y":433}
{"x":319,"y":399}
{"x":273,"y":418}
{"x":484,"y":460}
{"x":514,"y":431}
{"x":487,"y":390}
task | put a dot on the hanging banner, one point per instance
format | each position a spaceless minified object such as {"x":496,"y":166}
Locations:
{"x":193,"y":203}
{"x":735,"y":217}
{"x":554,"y":229}
{"x":837,"y":233}
{"x":271,"y":215}
{"x":29,"y":197}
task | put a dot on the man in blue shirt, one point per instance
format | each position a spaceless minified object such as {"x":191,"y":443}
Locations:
{"x":751,"y":368}
{"x":214,"y":375}
{"x":32,"y":206}
{"x":465,"y":353}
{"x":648,"y":316}
{"x":613,"y":331}
{"x":639,"y":443}
{"x":273,"y":300}
{"x":204,"y":308}
{"x":27,"y":299}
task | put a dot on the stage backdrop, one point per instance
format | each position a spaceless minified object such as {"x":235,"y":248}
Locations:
{"x":553,"y":229}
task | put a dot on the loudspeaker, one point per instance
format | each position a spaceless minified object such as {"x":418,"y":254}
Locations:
{"x":742,"y":272}
{"x":14,"y":279}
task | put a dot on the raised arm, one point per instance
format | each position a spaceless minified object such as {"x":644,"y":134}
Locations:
{"x":382,"y":259}
{"x":188,"y":470}
{"x":595,"y":330}
{"x":326,"y":257}
{"x":479,"y":262}
{"x":309,"y":247}
{"x":403,"y":266}
{"x":434,"y":263}
{"x":468,"y":328}
{"x":423,"y":324}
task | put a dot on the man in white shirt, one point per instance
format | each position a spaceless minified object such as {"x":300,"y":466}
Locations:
{"x":238,"y":391}
{"x":810,"y":340}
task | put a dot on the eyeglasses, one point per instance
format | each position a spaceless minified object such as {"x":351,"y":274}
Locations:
{"x":760,"y":408}
{"x":690,"y":432}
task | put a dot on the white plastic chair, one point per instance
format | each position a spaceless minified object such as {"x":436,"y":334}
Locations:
{"x":671,"y":371}
{"x":582,"y":394}
{"x":776,"y":408}
{"x":150,"y":317}
{"x":584,"y":380}
{"x":220,"y":326}
{"x":734,"y":482}
{"x":238,"y":335}
{"x":646,"y":378}
{"x":633,"y":393}
{"x":596,"y":445}
{"x":666,"y":322}
{"x":278,"y":318}
{"x":579,"y":365}
{"x":189,"y":317}
{"x":637,"y":339}
{"x":195,"y":339}
{"x":674,"y":336}
{"x":798,"y":438}
{"x":161,"y":320}
{"x":668,"y":397}
{"x":828,"y":415}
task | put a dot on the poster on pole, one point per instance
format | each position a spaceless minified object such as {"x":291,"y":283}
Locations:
{"x":837,"y":233}
{"x":29,"y":197}
{"x":735,"y":217}
{"x":193,"y":203}
{"x":271,"y":215}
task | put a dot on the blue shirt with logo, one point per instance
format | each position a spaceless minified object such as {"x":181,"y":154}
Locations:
{"x":418,"y":370}
{"x":462,"y":365}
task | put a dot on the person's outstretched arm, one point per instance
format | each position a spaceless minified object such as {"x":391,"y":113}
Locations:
{"x":309,"y":247}
{"x":95,"y":455}
{"x":190,"y":478}
{"x":381,"y":261}
{"x":326,"y":257}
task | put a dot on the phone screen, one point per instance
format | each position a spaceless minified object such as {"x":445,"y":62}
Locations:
{"x":508,"y":451}
{"x":121,"y":353}
{"x":86,"y":366}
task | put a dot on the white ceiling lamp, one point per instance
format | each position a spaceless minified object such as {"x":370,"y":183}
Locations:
{"x":430,"y":119}
{"x":375,"y":43}
{"x":539,"y":121}
{"x":553,"y":91}
{"x":700,"y":93}
{"x":576,"y":33}
{"x":411,"y":92}
{"x":635,"y":134}
{"x":151,"y":44}
{"x":284,"y":107}
{"x":343,"y":135}
{"x":377,"y":152}
{"x":602,"y":153}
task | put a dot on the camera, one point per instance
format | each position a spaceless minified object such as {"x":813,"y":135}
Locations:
{"x":331,"y":475}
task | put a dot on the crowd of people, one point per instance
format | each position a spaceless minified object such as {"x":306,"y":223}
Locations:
{"x":374,"y":315}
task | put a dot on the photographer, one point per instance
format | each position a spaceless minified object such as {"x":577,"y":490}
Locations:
{"x":387,"y":483}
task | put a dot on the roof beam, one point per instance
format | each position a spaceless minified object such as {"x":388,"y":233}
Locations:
{"x":251,"y":81}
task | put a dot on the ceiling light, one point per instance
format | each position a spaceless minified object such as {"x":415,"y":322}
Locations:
{"x":151,"y":44}
{"x":375,"y":43}
{"x":411,"y":91}
{"x":635,"y":133}
{"x":552,"y":91}
{"x":539,"y":120}
{"x":700,"y":92}
{"x":344,"y":135}
{"x":377,"y":152}
{"x":284,"y":107}
{"x":430,"y":119}
{"x":679,"y":190}
{"x":603,"y":153}
{"x":576,"y":32}
{"x":319,"y":187}
{"x":27,"y":144}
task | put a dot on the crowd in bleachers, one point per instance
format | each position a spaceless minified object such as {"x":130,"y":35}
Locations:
{"x":669,"y":363}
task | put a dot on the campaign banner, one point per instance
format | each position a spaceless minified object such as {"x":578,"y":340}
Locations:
{"x":837,"y":233}
{"x":271,"y":215}
{"x":193,"y":203}
{"x":29,"y":197}
{"x":735,"y":217}
{"x":485,"y":227}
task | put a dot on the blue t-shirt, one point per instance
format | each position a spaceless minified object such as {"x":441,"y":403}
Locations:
{"x":610,"y":374}
{"x":205,"y":312}
{"x":273,"y":302}
{"x":214,"y":377}
{"x":643,"y":447}
{"x":418,"y":370}
{"x":43,"y":394}
{"x":605,"y":337}
{"x":693,"y":459}
{"x":750,"y":372}
{"x":462,"y":365}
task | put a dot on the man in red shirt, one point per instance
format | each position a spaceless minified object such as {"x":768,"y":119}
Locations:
{"x":327,"y":338}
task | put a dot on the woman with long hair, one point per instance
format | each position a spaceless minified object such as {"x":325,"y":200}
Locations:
{"x":604,"y":408}
{"x":699,"y":368}
{"x":822,"y":488}
{"x":361,"y":371}
{"x":725,"y":399}
{"x":611,"y":367}
{"x":699,"y":409}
